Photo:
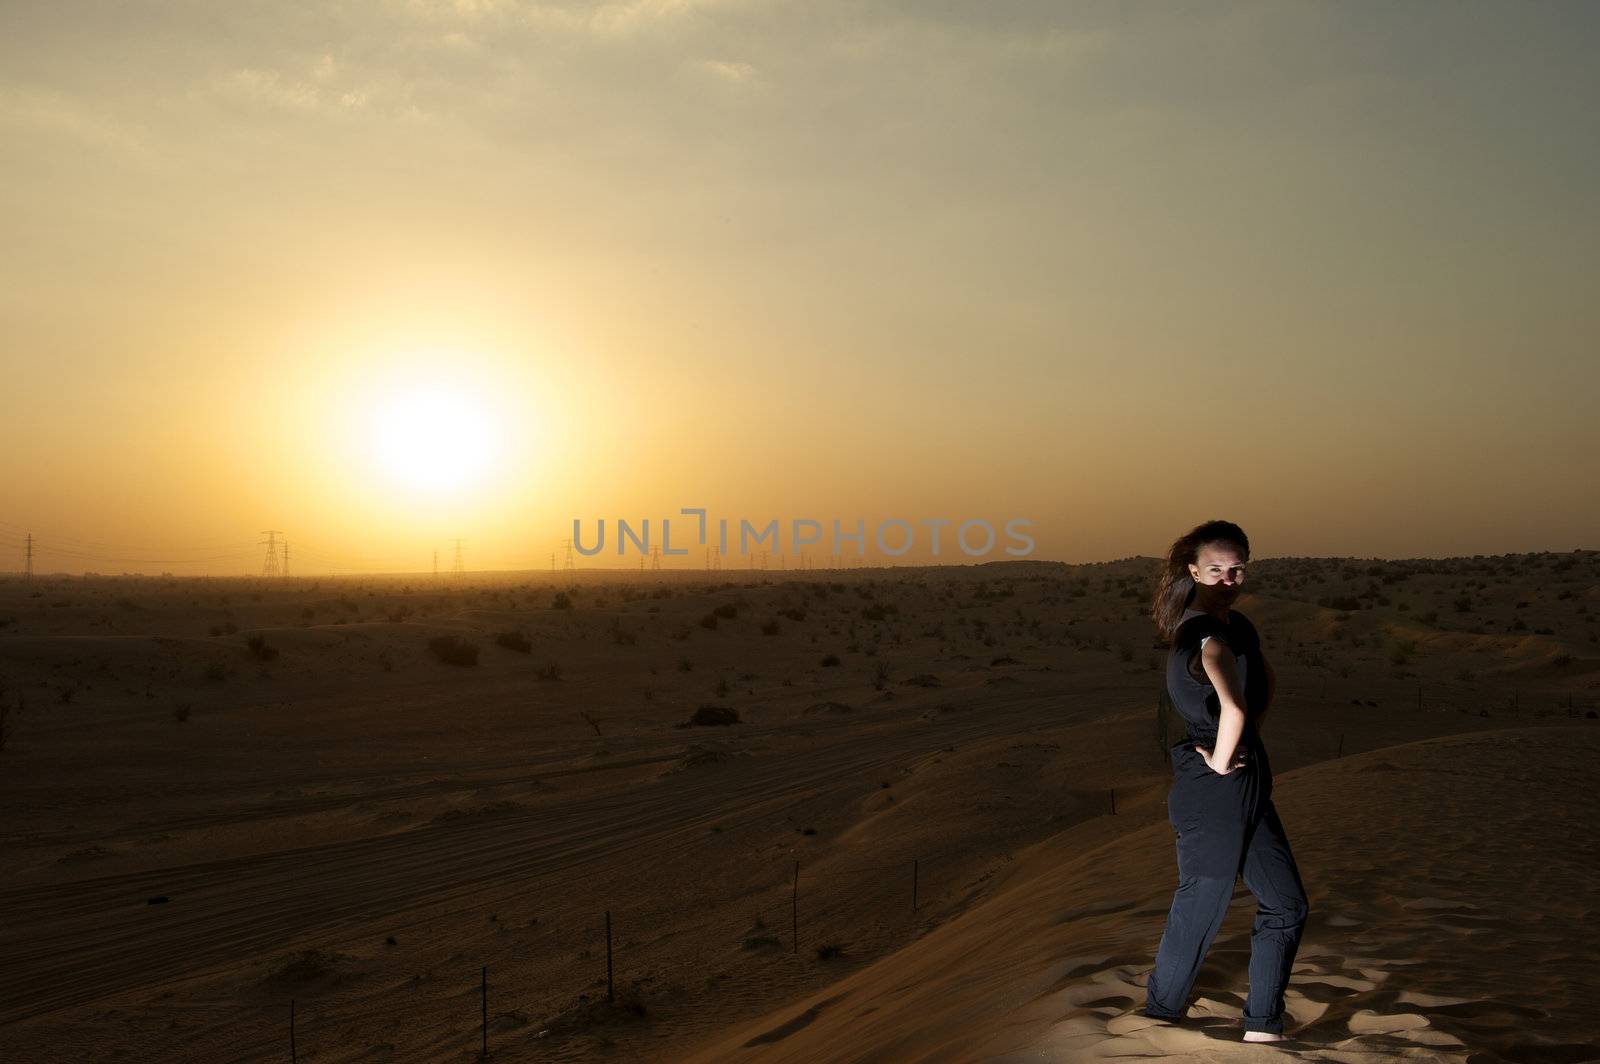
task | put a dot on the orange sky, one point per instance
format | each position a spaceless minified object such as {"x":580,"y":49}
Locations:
{"x":1323,"y":270}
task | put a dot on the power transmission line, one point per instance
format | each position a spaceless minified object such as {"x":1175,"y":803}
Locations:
{"x":270,"y":568}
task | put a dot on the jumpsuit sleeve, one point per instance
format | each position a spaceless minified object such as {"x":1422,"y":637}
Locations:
{"x":1192,"y":655}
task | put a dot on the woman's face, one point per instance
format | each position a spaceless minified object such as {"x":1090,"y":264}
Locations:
{"x":1220,"y":568}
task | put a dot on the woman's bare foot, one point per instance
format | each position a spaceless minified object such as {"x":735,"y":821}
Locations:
{"x":1262,"y":1036}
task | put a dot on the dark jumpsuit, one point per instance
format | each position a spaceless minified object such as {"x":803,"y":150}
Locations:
{"x":1226,"y":825}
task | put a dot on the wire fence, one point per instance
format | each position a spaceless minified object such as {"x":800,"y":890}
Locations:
{"x":519,"y":984}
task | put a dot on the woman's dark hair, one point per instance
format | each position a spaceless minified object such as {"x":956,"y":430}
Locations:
{"x":1175,"y":587}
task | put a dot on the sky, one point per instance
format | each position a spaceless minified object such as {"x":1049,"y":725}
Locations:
{"x":380,"y":275}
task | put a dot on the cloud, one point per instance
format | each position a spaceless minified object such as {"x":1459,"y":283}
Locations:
{"x":726,"y":70}
{"x":318,"y":89}
{"x":56,"y":114}
{"x":641,"y":14}
{"x":618,"y":18}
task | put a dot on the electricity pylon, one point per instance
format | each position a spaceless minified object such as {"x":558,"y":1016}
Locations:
{"x":271,"y":566}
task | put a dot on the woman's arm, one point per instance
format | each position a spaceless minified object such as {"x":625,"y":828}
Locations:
{"x":1217,"y":658}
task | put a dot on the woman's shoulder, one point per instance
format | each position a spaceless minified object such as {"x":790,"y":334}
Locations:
{"x":1196,"y":625}
{"x":1249,"y":638}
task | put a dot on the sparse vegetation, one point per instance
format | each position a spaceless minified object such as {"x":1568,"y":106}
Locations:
{"x":515,"y":640}
{"x":453,"y":650}
{"x":712,"y":715}
{"x":261,"y":648}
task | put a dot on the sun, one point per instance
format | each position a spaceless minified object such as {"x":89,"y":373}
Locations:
{"x":434,"y":439}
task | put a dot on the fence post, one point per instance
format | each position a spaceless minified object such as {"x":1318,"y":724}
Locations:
{"x":1341,"y":744}
{"x":913,"y":884}
{"x":610,"y":996}
{"x":1113,"y":801}
{"x":794,"y":911}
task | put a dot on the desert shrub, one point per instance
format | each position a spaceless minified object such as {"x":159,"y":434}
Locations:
{"x":551,"y":671}
{"x":830,"y":661}
{"x":709,"y":621}
{"x":215,"y":672}
{"x":261,"y":648}
{"x":727,"y":610}
{"x":714,"y":715}
{"x":453,"y":650}
{"x":515,"y":640}
{"x":180,"y":712}
{"x":562,"y":601}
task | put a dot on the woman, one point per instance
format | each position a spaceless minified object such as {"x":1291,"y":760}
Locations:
{"x":1220,"y":803}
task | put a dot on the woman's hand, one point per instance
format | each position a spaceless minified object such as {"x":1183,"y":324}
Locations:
{"x":1240,"y":755}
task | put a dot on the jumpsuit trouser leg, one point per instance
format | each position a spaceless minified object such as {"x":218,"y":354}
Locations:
{"x":1228,"y":826}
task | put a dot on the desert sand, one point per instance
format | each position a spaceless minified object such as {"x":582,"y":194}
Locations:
{"x":224,"y":795}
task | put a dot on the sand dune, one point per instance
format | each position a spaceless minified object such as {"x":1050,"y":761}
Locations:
{"x":1450,"y":882}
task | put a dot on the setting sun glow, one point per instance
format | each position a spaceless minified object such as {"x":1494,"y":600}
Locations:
{"x":434,"y":439}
